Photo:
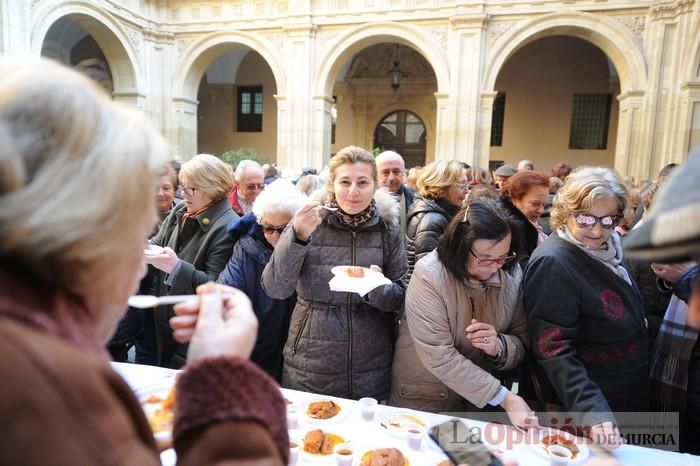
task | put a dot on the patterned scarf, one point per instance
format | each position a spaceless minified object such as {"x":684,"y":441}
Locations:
{"x":353,"y":221}
{"x":610,"y":254}
{"x":670,"y":359}
{"x":186,"y":215}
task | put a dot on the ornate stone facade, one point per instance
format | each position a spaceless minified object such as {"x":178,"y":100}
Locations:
{"x":158,"y":51}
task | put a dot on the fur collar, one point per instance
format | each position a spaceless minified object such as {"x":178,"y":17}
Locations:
{"x":386,"y":203}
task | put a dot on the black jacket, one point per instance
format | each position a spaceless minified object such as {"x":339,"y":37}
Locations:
{"x":427,"y":221}
{"x":524,"y":234}
{"x":587,"y":334}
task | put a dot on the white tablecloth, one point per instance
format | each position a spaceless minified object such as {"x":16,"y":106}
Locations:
{"x":369,"y":435}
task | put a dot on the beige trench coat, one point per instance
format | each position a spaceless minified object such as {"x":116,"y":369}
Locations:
{"x":435,"y":366}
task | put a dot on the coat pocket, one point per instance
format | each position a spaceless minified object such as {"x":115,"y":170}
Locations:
{"x":423,"y":391}
{"x":300,"y":332}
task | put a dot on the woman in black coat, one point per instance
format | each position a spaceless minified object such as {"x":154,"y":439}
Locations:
{"x":524,"y":197}
{"x":441,"y":191}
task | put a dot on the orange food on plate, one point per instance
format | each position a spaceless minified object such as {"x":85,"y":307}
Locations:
{"x":161,"y":419}
{"x":562,"y":441}
{"x":355,"y":272}
{"x":318,"y":442}
{"x":383,"y":457}
{"x":322,"y":409}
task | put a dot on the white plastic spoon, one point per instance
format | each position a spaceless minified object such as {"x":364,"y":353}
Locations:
{"x":144,"y":301}
{"x":332,"y":209}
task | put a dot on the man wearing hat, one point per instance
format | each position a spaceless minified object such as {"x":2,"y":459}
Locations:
{"x":502,"y":174}
{"x":671,"y":234}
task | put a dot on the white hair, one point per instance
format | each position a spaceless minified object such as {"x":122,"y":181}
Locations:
{"x":389,"y":155}
{"x":245,"y":166}
{"x":279,"y":197}
{"x":526,"y":164}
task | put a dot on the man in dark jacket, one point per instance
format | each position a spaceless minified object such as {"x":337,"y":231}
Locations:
{"x":390,"y":174}
{"x":250,"y":256}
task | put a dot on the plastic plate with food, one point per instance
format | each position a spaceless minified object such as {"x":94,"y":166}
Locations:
{"x":324,"y":410}
{"x":384,"y":456}
{"x":397,"y":422}
{"x":318,"y":444}
{"x":158,"y":402}
{"x":152,"y":250}
{"x":576,"y":445}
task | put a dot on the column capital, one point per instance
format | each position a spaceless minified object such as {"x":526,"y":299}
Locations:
{"x":474,"y":21}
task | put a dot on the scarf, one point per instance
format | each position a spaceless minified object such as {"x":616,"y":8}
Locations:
{"x":353,"y":221}
{"x":610,"y":254}
{"x":541,"y":235}
{"x":670,"y":359}
{"x":187,"y":215}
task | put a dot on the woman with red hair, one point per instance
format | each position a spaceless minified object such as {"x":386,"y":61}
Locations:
{"x":524,"y":197}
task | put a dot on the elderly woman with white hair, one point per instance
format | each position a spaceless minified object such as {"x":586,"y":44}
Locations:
{"x":585,"y":315}
{"x":78,"y":174}
{"x":195,"y":245}
{"x":256,"y":235}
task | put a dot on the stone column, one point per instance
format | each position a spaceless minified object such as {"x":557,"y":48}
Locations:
{"x":185,"y":126}
{"x":445,"y":129}
{"x":629,"y":150}
{"x":481,"y":158}
{"x":690,"y":116}
{"x":303,"y":119}
{"x":469,"y":32}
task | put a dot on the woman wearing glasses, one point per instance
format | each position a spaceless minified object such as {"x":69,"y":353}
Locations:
{"x":585,"y":316}
{"x":463,"y":321}
{"x":195,"y":245}
{"x":256,"y":235}
{"x":441,"y":190}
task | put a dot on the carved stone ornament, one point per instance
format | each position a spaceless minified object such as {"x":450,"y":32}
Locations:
{"x":136,"y":39}
{"x":278,"y":40}
{"x":183,"y":44}
{"x":635,"y":23}
{"x":496,"y":29}
{"x":669,"y":11}
{"x":35,"y":3}
{"x":439,"y":32}
{"x":325,"y":36}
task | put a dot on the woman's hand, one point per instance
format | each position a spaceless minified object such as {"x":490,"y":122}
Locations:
{"x":306,"y":220}
{"x":220,"y":323}
{"x":606,"y":435}
{"x":483,"y":336}
{"x":671,"y":273}
{"x":165,"y":261}
{"x":519,"y":412}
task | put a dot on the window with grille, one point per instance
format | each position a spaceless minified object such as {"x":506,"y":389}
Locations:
{"x":497,"y":115}
{"x":250,"y":109}
{"x":590,"y":118}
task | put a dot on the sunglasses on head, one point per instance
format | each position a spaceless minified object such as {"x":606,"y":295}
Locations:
{"x":588,"y":221}
{"x":270,"y":229}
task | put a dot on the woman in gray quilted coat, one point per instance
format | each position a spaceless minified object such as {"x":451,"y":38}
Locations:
{"x":340,"y":343}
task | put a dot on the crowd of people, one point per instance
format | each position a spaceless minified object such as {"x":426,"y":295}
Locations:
{"x":492,"y":277}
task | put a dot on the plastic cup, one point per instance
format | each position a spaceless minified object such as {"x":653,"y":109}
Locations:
{"x":558,"y":455}
{"x":293,"y":452}
{"x":343,"y":454}
{"x":367,"y":408}
{"x":292,"y":416}
{"x":414,"y":435}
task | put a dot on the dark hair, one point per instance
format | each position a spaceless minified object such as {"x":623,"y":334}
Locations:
{"x":484,"y":221}
{"x":519,"y":184}
{"x":666,"y":171}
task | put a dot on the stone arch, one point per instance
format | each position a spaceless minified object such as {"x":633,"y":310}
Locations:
{"x":107,"y":32}
{"x":197,"y":58}
{"x":610,"y":36}
{"x":384,"y":111}
{"x":343,"y":48}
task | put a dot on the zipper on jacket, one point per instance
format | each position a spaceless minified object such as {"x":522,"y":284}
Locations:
{"x":352,"y":260}
{"x":301,"y":331}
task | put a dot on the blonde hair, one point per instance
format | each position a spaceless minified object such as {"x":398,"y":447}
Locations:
{"x":309,"y":183}
{"x":350,"y":154}
{"x":478,"y":174}
{"x":77,"y":175}
{"x":436,"y":178}
{"x":209,"y":174}
{"x":583,"y":186}
{"x":412,"y":177}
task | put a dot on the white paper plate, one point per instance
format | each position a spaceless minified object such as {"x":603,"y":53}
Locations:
{"x":345,"y":408}
{"x":161,"y":391}
{"x":152,"y":250}
{"x":394,"y":422}
{"x":583,"y":453}
{"x":341,"y":281}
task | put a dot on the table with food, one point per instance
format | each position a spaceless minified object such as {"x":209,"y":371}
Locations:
{"x":322,"y":428}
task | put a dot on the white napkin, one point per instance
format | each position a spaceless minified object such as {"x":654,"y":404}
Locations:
{"x":343,"y":282}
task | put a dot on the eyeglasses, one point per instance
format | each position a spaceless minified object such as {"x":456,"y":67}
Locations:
{"x":462,"y":186}
{"x":588,"y":221}
{"x":270,"y":229}
{"x":188,"y":190}
{"x":489,"y":262}
{"x":254,"y":187}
